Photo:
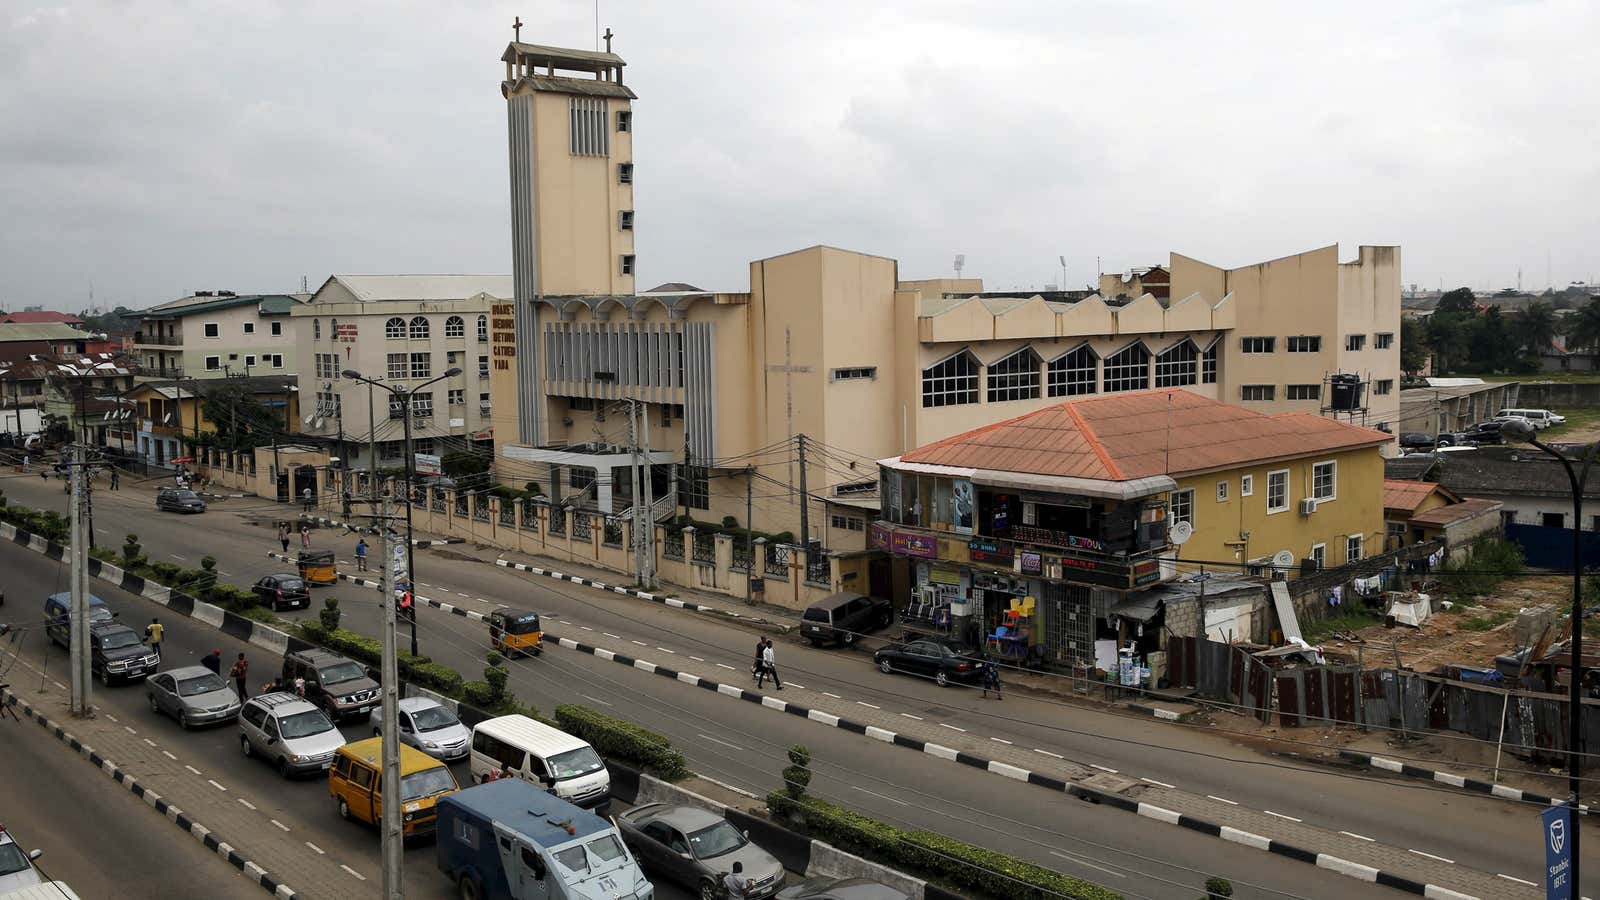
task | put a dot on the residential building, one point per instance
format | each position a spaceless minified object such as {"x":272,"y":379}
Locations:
{"x":48,"y":339}
{"x":218,"y":334}
{"x":1072,"y":513}
{"x":39,"y":317}
{"x":1454,"y":404}
{"x":404,"y":330}
{"x":169,"y":418}
{"x":1417,"y":511}
{"x":1533,"y":488}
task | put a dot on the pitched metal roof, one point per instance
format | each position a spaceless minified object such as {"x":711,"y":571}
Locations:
{"x":1456,"y":512}
{"x":1408,"y":495}
{"x":375,"y":288}
{"x":39,"y":316}
{"x":1412,"y":466}
{"x":40,"y":331}
{"x":1508,"y":472}
{"x":1142,"y":434}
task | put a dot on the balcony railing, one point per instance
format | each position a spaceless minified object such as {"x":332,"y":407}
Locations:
{"x":1049,"y":561}
{"x":158,"y":340}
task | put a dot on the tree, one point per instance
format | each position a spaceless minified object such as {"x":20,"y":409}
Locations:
{"x":1585,"y":331}
{"x":241,"y":421}
{"x":1535,"y":326}
{"x":1450,"y":335}
{"x":1414,"y":347}
{"x":1460,"y":300}
{"x":1488,"y":349}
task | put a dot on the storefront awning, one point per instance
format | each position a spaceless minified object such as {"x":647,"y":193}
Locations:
{"x":1141,"y":607}
{"x":1132,"y":489}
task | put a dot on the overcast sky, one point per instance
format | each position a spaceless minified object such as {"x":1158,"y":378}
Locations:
{"x":152,"y":149}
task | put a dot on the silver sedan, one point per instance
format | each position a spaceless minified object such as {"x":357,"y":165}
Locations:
{"x":431,"y":727}
{"x":194,"y":695}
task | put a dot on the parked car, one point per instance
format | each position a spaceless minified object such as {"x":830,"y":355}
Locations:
{"x":284,"y":591}
{"x":1416,"y":440}
{"x":16,"y":866}
{"x":431,"y":727}
{"x":1540,"y":418}
{"x":290,"y":733}
{"x":339,"y":685}
{"x":829,"y":888}
{"x":179,"y":500}
{"x":842,"y":617}
{"x":695,"y":848}
{"x":58,"y":616}
{"x":1456,"y":439}
{"x":929,"y":659}
{"x":194,"y":695}
{"x":1484,"y":432}
{"x":356,"y":783}
{"x":117,"y":652}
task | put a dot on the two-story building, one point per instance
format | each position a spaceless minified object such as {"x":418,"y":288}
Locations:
{"x":217,"y":334}
{"x":1056,"y":524}
{"x":168,"y":417}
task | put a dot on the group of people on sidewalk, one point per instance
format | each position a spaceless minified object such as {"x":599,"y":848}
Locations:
{"x":284,"y":535}
{"x":766,"y":664}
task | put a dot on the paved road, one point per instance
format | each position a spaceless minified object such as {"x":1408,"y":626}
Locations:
{"x":96,"y":836}
{"x":742,"y":745}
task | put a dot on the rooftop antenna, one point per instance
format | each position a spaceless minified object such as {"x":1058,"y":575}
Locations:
{"x":1063,"y":261}
{"x":961,"y":261}
{"x":597,"y":25}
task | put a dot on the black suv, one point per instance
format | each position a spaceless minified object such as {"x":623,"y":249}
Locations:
{"x":340,"y":686}
{"x":118,"y":653}
{"x":179,"y":500}
{"x":844,"y":616}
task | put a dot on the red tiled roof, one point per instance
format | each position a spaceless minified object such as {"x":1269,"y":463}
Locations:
{"x":1136,"y":435}
{"x":1408,"y":495}
{"x":36,"y":317}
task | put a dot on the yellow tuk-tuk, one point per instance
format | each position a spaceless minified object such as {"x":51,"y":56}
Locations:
{"x":515,"y":631}
{"x":317,"y":567}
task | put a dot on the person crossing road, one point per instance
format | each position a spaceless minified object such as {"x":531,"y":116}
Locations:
{"x":361,"y":554}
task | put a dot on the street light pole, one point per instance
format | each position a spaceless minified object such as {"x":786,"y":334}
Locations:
{"x":392,"y":833}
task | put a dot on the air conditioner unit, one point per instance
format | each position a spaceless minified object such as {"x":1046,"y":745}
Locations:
{"x":1308,"y":506}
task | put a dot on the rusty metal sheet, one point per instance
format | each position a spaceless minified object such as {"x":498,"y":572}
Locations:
{"x":1315,"y":707}
{"x":1289,"y":689}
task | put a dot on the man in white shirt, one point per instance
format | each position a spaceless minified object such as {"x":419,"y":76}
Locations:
{"x":735,"y":883}
{"x":768,"y":667}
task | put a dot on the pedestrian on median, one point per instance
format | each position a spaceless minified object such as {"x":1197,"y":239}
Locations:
{"x":735,"y":884}
{"x":153,"y":633}
{"x":305,"y":537}
{"x":769,"y":667}
{"x":991,"y":679}
{"x":361,"y":554}
{"x":239,"y":672}
{"x":116,"y":479}
{"x":213,"y":661}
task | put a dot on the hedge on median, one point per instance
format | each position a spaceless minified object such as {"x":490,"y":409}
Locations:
{"x":968,"y":868}
{"x":418,"y":669}
{"x":625,"y":741}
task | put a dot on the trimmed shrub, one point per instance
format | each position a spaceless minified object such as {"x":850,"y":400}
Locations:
{"x":436,"y":676}
{"x":329,"y":613}
{"x":797,"y":776}
{"x":477,"y":693}
{"x":496,"y":676}
{"x":624,"y":741}
{"x":1218,"y":889}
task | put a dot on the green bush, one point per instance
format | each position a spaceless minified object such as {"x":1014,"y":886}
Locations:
{"x":496,"y":676}
{"x":329,"y":613}
{"x":1480,"y":570}
{"x":797,"y":776}
{"x":624,"y":741}
{"x":438,"y":677}
{"x":104,"y":554}
{"x":477,"y":693}
{"x":975,"y":870}
{"x":1218,"y":889}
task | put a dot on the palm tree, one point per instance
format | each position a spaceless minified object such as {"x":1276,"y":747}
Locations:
{"x":1535,"y":326}
{"x":1585,"y":331}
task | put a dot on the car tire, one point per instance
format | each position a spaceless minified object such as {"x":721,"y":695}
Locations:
{"x":344,"y":809}
{"x":884,"y":666}
{"x":709,"y":890}
{"x":849,"y":638}
{"x":538,"y":651}
{"x":183,"y":720}
{"x":941,"y":679}
{"x":155,"y":707}
{"x":815,"y":642}
{"x":467,"y":889}
{"x":244,"y":747}
{"x":377,"y":731}
{"x":105,"y":677}
{"x":283,"y":766}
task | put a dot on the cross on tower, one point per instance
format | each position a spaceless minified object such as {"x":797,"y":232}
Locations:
{"x":516,"y":29}
{"x":789,"y":369}
{"x":607,"y":36}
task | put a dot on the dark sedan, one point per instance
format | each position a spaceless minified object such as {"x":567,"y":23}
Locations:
{"x":283,"y":592}
{"x":697,"y":848}
{"x":179,"y":500}
{"x":929,"y":659}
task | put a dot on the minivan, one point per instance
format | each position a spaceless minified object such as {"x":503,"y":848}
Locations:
{"x":517,"y":746}
{"x":58,"y":615}
{"x":356,"y":783}
{"x":841,"y":617}
{"x":1539,"y":418}
{"x":291,"y":734}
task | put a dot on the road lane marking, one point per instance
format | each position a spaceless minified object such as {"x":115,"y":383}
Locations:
{"x":226,"y":574}
{"x":1281,"y":815}
{"x":726,"y":666}
{"x":1084,"y":862}
{"x":795,"y":684}
{"x":1431,"y":856}
{"x":1103,"y":768}
{"x":665,"y":650}
{"x":594,"y":700}
{"x":424,"y":584}
{"x":867,"y":705}
{"x":1048,"y":753}
{"x":353,"y":872}
{"x":192,"y":769}
{"x":129,"y":730}
{"x":1512,"y":878}
{"x":56,"y":683}
{"x":245,"y":803}
{"x":169,"y":756}
{"x":723,"y":743}
{"x":279,"y":824}
{"x":1000,"y":741}
{"x":320,"y":851}
{"x":697,"y":659}
{"x":610,"y":635}
{"x":463,"y":594}
{"x":825,"y":693}
{"x":587,"y":628}
{"x":641,"y":643}
{"x":878,"y":795}
{"x":111,"y":717}
{"x":952,"y":728}
{"x":910,"y":716}
{"x":1231,"y":802}
{"x":1157,"y":783}
{"x":1360,"y":837}
{"x":150,"y":742}
{"x":176,"y":556}
{"x":215,"y":785}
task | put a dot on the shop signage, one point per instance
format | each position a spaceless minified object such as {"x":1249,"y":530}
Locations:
{"x":1032,"y":534}
{"x":989,"y":552}
{"x":1557,"y":824}
{"x":944,"y":575}
{"x":878,"y":536}
{"x":1146,"y":571}
{"x":1031,"y":563}
{"x":907,"y":543}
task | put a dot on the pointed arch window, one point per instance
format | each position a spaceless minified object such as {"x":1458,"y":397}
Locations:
{"x":1175,"y":367}
{"x":1016,"y":377}
{"x":1128,"y":370}
{"x":1073,"y":374}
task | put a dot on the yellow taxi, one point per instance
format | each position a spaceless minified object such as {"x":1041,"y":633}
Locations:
{"x":356,"y":783}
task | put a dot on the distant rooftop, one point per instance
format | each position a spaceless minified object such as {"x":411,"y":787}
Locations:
{"x":432,"y":288}
{"x":39,"y":317}
{"x":44,"y":331}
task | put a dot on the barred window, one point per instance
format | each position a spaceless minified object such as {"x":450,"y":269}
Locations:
{"x":455,"y":327}
{"x":1015,"y":378}
{"x":483,"y":329}
{"x":1128,"y":370}
{"x":1176,"y":366}
{"x":589,"y":131}
{"x":952,"y":382}
{"x":421,"y":365}
{"x":419,"y":327}
{"x":399,"y":365}
{"x":1072,"y":374}
{"x":395,"y":328}
{"x":1208,"y":363}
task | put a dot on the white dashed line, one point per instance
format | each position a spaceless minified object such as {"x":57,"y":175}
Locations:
{"x":1048,"y":753}
{"x":1000,"y":741}
{"x":1431,"y":856}
{"x":910,"y":716}
{"x":1362,"y":837}
{"x":1224,"y":800}
{"x":725,"y":666}
{"x":879,"y":796}
{"x":867,"y":705}
{"x":952,"y":728}
{"x":610,"y":635}
{"x":641,"y":643}
{"x":353,"y":872}
{"x":1084,"y":862}
{"x":697,"y":659}
{"x":192,"y":769}
{"x":279,"y":824}
{"x":665,"y":650}
{"x":169,"y":756}
{"x":424,"y":584}
{"x":594,"y":700}
{"x":1103,"y":768}
{"x":1157,"y":783}
{"x":225,"y":574}
{"x":176,"y":556}
{"x":1513,"y":878}
{"x":57,"y":683}
{"x":217,"y":786}
{"x":723,"y":743}
{"x":245,"y":803}
{"x":1281,"y":815}
{"x":111,"y":717}
{"x":824,"y":693}
{"x":129,"y":730}
{"x":792,"y":684}
{"x":319,"y":850}
{"x":586,"y":628}
{"x":150,"y":742}
{"x":461,"y":594}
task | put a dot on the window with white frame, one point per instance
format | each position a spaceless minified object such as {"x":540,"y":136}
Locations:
{"x":1247,"y":485}
{"x":848,"y":523}
{"x":249,"y":362}
{"x":484,"y":404}
{"x":419,"y":328}
{"x":1352,"y":548}
{"x":1257,"y":344}
{"x":1304,"y":343}
{"x":395,"y":329}
{"x":483,"y":367}
{"x":455,"y":327}
{"x":483,"y":329}
{"x":1355,"y":342}
{"x":458,"y":396}
{"x":1278,"y":491}
{"x":952,"y":382}
{"x":249,"y":328}
{"x":627,"y":263}
{"x":1183,"y":507}
{"x":1258,"y":392}
{"x":1383,"y":340}
{"x":399,"y":364}
{"x":212,"y":329}
{"x":423,"y":446}
{"x":421,"y":365}
{"x":1383,"y":386}
{"x":1324,"y":480}
{"x":1222,"y":491}
{"x":328,"y":366}
{"x":213,"y":363}
{"x":1072,"y":374}
{"x":1016,"y":377}
{"x":1175,"y":367}
{"x":1208,"y":363}
{"x":422,"y":405}
{"x":855,"y":372}
{"x":1304,"y":391}
{"x":1128,"y":370}
{"x":1319,"y":555}
{"x":329,"y":404}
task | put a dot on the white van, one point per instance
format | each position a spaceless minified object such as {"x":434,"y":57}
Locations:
{"x":1539,"y":418}
{"x":549,"y":757}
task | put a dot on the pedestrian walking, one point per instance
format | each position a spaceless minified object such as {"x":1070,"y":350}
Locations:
{"x":153,"y":633}
{"x":305,"y":537}
{"x":346,"y":501}
{"x":735,"y":884}
{"x":24,"y":462}
{"x":769,"y":667}
{"x":361,"y":555}
{"x":305,"y":497}
{"x":283,"y":536}
{"x":213,"y":661}
{"x":239,"y":672}
{"x":991,"y":679}
{"x":759,"y":663}
{"x":116,"y":479}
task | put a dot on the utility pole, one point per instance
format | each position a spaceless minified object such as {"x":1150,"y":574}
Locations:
{"x":411,"y":476}
{"x":372,"y":448}
{"x":749,"y":528}
{"x":78,"y":580}
{"x":805,"y":518}
{"x":638,"y":497}
{"x":649,"y":500}
{"x":392,"y":836}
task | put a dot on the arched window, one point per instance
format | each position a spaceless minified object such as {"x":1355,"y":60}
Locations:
{"x":1176,"y":366}
{"x":1128,"y":370}
{"x":455,"y":327}
{"x":395,"y":328}
{"x":419,"y":328}
{"x":1015,"y":378}
{"x":316,"y":329}
{"x":1072,"y":374}
{"x":951,"y":382}
{"x":483,"y":329}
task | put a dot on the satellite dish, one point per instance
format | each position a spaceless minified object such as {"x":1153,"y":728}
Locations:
{"x":318,"y":423}
{"x":1180,"y":532}
{"x":1283,"y":559}
{"x":306,"y":419}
